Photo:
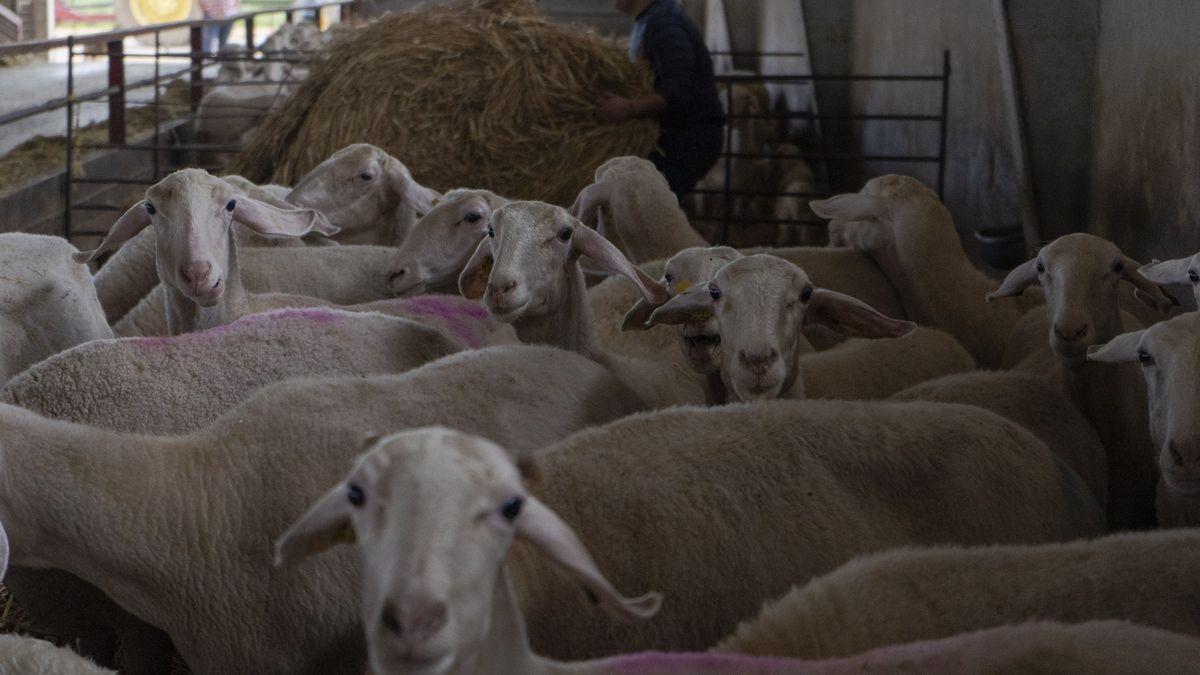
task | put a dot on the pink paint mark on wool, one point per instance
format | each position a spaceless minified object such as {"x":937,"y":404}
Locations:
{"x":664,"y":662}
{"x":465,"y":318}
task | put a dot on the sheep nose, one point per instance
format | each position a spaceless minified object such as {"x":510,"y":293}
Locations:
{"x":1071,"y":333}
{"x":422,"y":620}
{"x":502,"y":287}
{"x":197,"y":275}
{"x":759,"y":362}
{"x":390,"y":618}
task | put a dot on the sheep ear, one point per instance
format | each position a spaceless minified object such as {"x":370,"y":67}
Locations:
{"x":1150,"y":294}
{"x":852,"y":206}
{"x":1121,"y":349}
{"x":852,"y":317}
{"x":4,"y":551}
{"x":1168,"y":272}
{"x":324,"y":525}
{"x":134,"y":220}
{"x":586,"y":241}
{"x":273,"y":221}
{"x":1022,"y":275}
{"x":694,"y":304}
{"x":409,"y":191}
{"x":587,"y":205}
{"x":473,"y":280}
{"x":638,"y":316}
{"x":541,"y":527}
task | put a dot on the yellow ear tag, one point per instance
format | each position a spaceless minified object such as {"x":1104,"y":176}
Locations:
{"x":684,"y":285}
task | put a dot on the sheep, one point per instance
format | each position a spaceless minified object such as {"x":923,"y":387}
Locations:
{"x":632,"y":206}
{"x":366,"y":192}
{"x":924,"y":594}
{"x":690,"y":498}
{"x":902,"y":225}
{"x":341,"y":275}
{"x":47,"y":302}
{"x":1179,"y":271}
{"x":21,"y":655}
{"x":1170,"y":361}
{"x":441,"y":242}
{"x":527,"y":274}
{"x":1080,"y":275}
{"x":759,"y":304}
{"x":228,"y":115}
{"x":160,"y":564}
{"x":796,"y":185}
{"x":179,"y":384}
{"x":197,"y":256}
{"x":359,"y":187}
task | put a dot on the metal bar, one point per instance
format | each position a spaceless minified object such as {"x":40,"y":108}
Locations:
{"x":218,"y":58}
{"x":728,"y":164}
{"x":760,"y":54}
{"x":70,"y":138}
{"x":108,"y":36}
{"x":841,"y":156}
{"x":18,"y":115}
{"x":156,"y":147}
{"x":828,"y":78}
{"x":250,"y":33}
{"x":810,"y":116}
{"x":289,"y":16}
{"x":759,"y":193}
{"x":941,"y":177}
{"x":764,"y":220}
{"x":157,"y":122}
{"x":116,"y":181}
{"x":116,"y":82}
{"x":197,"y":78}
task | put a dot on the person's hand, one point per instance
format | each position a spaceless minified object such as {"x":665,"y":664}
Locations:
{"x":613,"y":109}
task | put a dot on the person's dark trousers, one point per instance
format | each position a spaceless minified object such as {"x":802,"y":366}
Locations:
{"x":684,"y":156}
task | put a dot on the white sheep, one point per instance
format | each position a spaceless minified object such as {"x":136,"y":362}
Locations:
{"x":441,"y":243}
{"x":47,"y":302}
{"x":797,"y":186}
{"x":685,"y":499}
{"x":296,"y":432}
{"x":1179,"y":271}
{"x":196,"y":251}
{"x":631,"y":205}
{"x":174,"y":385}
{"x":760,"y":302}
{"x":1170,"y":361}
{"x":924,"y":594}
{"x":902,"y":225}
{"x":1081,"y":276}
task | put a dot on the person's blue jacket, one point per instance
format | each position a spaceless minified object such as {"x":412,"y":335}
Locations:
{"x":683,"y":69}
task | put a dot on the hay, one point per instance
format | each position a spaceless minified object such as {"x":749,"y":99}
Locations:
{"x":479,"y":94}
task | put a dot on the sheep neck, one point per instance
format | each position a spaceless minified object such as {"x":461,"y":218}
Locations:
{"x":185,"y":316}
{"x":567,"y":325}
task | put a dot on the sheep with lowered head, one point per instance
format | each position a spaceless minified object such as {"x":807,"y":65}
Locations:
{"x":925,"y":594}
{"x":631,"y":205}
{"x":760,"y":303}
{"x":1081,"y":276}
{"x":160,"y":564}
{"x":442,"y":241}
{"x":693,"y":480}
{"x":1169,"y":356}
{"x":47,"y":302}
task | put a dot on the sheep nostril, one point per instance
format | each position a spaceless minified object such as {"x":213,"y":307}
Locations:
{"x":389,"y":618}
{"x":1175,"y":456}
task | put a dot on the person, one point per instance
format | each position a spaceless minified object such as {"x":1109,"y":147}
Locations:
{"x":685,"y":97}
{"x":214,"y":36}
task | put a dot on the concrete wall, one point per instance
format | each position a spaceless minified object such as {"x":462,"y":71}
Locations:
{"x":1147,"y":154}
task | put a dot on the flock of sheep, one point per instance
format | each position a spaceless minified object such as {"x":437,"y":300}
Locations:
{"x":861,"y":457}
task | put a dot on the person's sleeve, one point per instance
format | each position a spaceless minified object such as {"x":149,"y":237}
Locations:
{"x":670,"y":53}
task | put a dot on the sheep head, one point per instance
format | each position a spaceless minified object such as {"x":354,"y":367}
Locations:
{"x":1169,"y":353}
{"x":434,"y":512}
{"x":193,"y":214}
{"x":360,"y":188}
{"x":760,"y":303}
{"x":442,"y":241}
{"x":892,"y":214}
{"x":1180,"y":271}
{"x":1080,"y":274}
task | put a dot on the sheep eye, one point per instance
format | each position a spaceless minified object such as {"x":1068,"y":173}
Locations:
{"x":1041,"y":269}
{"x":472,"y":217}
{"x":668,"y":278}
{"x":1192,"y":276}
{"x":512,"y":508}
{"x":1118,"y":267}
{"x":1144,"y":356}
{"x":565,"y":234}
{"x":365,"y":176}
{"x":491,"y":232}
{"x":150,"y":208}
{"x":231,"y":205}
{"x":806,"y":294}
{"x":714,"y":292}
{"x":355,"y":494}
